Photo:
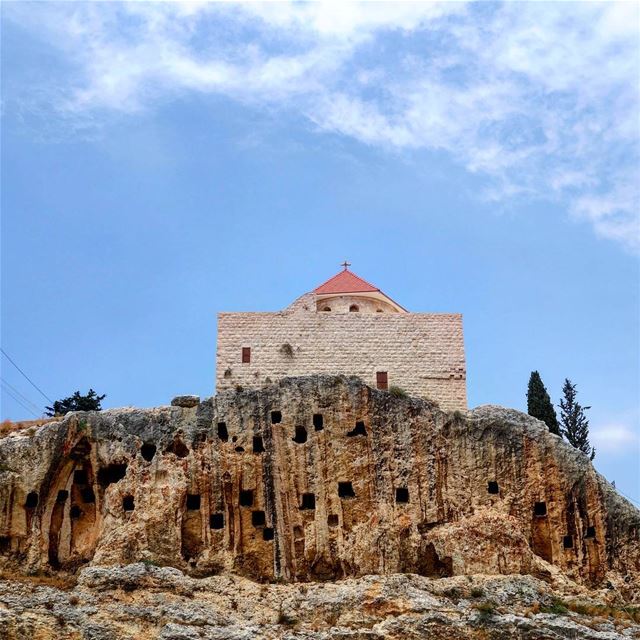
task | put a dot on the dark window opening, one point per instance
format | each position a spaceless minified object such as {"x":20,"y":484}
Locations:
{"x":62,"y":496}
{"x":308,"y":501}
{"x":591,"y":532}
{"x":178,"y":448}
{"x":246,"y":497}
{"x":382,"y":380}
{"x":128,"y":503}
{"x":492,"y":487}
{"x":75,"y":512}
{"x":258,"y":518}
{"x":32,"y":500}
{"x":88,"y":497}
{"x":147,"y":451}
{"x":567,"y":542}
{"x":318,"y":422}
{"x":267,"y":533}
{"x":223,"y":434}
{"x":111,"y":474}
{"x":326,"y":308}
{"x":258,"y":445}
{"x":354,"y":307}
{"x":276,"y":417}
{"x":80,"y":476}
{"x":540,"y":509}
{"x":402,"y":494}
{"x":378,"y":310}
{"x":359,"y":430}
{"x":301,"y":435}
{"x":193,"y":501}
{"x":5,"y":543}
{"x":345,"y":490}
{"x":246,"y":354}
{"x":333,"y":520}
{"x":234,"y":439}
{"x":216,"y":521}
{"x":239,"y":449}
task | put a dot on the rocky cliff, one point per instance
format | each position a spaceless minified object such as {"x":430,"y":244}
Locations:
{"x":315,"y":478}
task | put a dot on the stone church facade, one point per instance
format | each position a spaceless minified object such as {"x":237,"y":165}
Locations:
{"x":346,"y":326}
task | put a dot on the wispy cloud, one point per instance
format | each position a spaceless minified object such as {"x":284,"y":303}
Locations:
{"x":540,"y":99}
{"x":615,"y":438}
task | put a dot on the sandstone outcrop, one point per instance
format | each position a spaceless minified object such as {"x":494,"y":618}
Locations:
{"x":314,"y":478}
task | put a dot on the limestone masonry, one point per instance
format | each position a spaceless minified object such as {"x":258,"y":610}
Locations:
{"x":346,"y":326}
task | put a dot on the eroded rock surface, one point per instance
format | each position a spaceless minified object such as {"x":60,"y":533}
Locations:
{"x":316,"y":478}
{"x":145,"y":602}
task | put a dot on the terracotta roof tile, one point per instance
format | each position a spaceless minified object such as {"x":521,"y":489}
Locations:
{"x":345,"y":282}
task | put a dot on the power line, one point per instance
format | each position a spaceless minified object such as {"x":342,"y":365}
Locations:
{"x":33,"y":384}
{"x":8,"y":392}
{"x":17,"y":392}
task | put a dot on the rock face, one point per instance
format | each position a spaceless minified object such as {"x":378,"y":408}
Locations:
{"x":315,"y":478}
{"x":143,"y":602}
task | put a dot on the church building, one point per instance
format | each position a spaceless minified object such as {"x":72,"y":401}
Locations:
{"x":346,"y":326}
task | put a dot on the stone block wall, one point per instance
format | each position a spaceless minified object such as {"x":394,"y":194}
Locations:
{"x":422,"y":353}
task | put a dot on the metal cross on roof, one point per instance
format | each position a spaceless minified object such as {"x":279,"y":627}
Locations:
{"x":345,"y":264}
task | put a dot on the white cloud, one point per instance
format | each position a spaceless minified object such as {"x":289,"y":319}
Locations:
{"x":541,"y":99}
{"x":615,"y":438}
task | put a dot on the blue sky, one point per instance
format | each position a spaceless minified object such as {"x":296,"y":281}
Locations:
{"x":161,"y":163}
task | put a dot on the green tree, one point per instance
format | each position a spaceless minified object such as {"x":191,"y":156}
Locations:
{"x":539,"y":403}
{"x":573,"y":421}
{"x":76,"y":402}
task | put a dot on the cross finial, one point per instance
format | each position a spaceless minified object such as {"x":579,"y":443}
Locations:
{"x":345,"y":264}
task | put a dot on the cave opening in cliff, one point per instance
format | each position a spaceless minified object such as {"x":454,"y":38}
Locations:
{"x":276,"y":417}
{"x":223,"y":434}
{"x":333,"y":520}
{"x":5,"y":543}
{"x":80,"y":476}
{"x":258,"y":445}
{"x":402,"y":495}
{"x":88,"y":496}
{"x":308,"y":501}
{"x":193,"y":501}
{"x":246,"y":498}
{"x":318,"y":422}
{"x":216,"y":521}
{"x":239,"y":449}
{"x":345,"y":490}
{"x":567,"y":542}
{"x":31,"y":501}
{"x":62,"y":496}
{"x":492,"y":487}
{"x":258,"y":518}
{"x":267,"y":533}
{"x":148,"y":451}
{"x":128,"y":503}
{"x":591,"y":532}
{"x":75,"y":512}
{"x":178,"y":448}
{"x":540,"y":509}
{"x":301,"y":435}
{"x":112,"y":474}
{"x":358,"y":430}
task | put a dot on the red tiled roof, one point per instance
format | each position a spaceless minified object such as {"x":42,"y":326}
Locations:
{"x":345,"y":282}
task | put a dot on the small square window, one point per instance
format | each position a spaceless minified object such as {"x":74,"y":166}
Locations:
{"x":216,"y":521}
{"x":246,"y":354}
{"x":193,"y":501}
{"x":567,"y":542}
{"x":492,"y":487}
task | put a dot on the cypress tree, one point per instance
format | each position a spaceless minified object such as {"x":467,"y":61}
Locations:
{"x":574,"y":422}
{"x":539,"y":403}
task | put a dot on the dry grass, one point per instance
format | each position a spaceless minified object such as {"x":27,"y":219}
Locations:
{"x":64,"y":582}
{"x":9,"y":426}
